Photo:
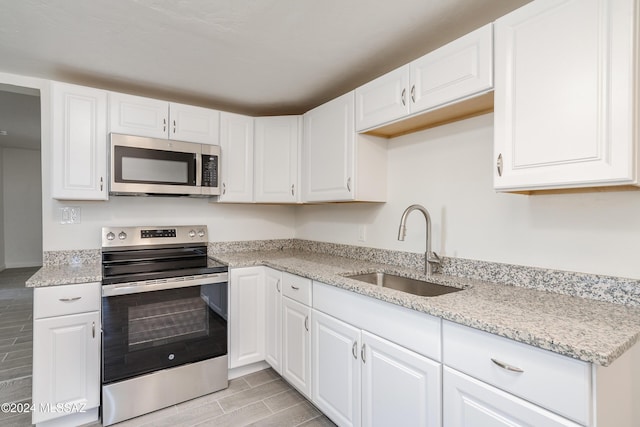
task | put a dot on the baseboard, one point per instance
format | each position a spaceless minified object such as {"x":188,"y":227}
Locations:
{"x":248,"y":369}
{"x":24,"y":264}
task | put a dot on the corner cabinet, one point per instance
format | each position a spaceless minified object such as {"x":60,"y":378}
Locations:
{"x":236,"y":144}
{"x":79,"y":142}
{"x":277,"y":152}
{"x":339,"y":165}
{"x":66,"y":354}
{"x":566,"y":95}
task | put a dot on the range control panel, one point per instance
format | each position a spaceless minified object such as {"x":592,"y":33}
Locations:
{"x":116,"y":237}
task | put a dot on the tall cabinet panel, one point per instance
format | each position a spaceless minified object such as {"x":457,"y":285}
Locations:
{"x":273,"y":323}
{"x":246,"y":316}
{"x":236,"y":143}
{"x":79,"y":142}
{"x":277,"y":142}
{"x":296,"y":349}
{"x":566,"y":95}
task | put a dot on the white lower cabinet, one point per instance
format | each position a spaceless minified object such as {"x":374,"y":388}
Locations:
{"x":296,"y":345}
{"x":362,"y":379}
{"x":273,"y":322}
{"x":246,"y":316}
{"x":66,"y":355}
{"x":469,"y":402}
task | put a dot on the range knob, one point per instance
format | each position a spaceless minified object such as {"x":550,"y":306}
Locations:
{"x":110,"y":236}
{"x":192,"y":233}
{"x":200,"y":233}
{"x":122,"y":235}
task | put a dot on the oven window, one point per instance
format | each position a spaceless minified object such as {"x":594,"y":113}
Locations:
{"x":147,"y":166}
{"x":148,"y":331}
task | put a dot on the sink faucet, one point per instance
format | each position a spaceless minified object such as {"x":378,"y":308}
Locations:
{"x":429,"y":256}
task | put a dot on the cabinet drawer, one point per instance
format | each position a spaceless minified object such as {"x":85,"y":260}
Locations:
{"x":297,"y":288}
{"x":558,"y":383}
{"x":68,"y":299}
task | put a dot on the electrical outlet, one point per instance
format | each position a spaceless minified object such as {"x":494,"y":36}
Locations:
{"x":70,"y":215}
{"x":362,"y":233}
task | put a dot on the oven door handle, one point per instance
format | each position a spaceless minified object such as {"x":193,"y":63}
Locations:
{"x":136,"y":288}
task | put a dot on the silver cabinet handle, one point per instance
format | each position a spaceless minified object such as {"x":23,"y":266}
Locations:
{"x":413,"y":93}
{"x":295,"y":288}
{"x":278,"y":285}
{"x":499,"y":164}
{"x":306,"y":323}
{"x":403,"y":96}
{"x":69,"y":299}
{"x":354,"y":350}
{"x":224,"y":188}
{"x":362,"y":352}
{"x":174,"y":126}
{"x":293,"y":193}
{"x":93,"y":329}
{"x":164,"y":125}
{"x":349,"y":184}
{"x":506,"y":366}
{"x":101,"y":183}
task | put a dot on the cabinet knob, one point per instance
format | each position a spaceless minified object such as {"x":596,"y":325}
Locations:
{"x":413,"y":94}
{"x":349,"y":184}
{"x":293,"y":193}
{"x":278,"y":285}
{"x":354,"y":350}
{"x":499,"y":164}
{"x":362,"y":352}
{"x":306,"y":323}
{"x":174,"y":126}
{"x":224,"y":188}
{"x":164,"y":125}
{"x":403,"y":97}
{"x":101,"y":183}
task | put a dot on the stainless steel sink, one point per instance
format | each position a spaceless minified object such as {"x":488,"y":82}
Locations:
{"x":405,"y":284}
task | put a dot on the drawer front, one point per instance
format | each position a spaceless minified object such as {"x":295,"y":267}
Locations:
{"x":408,"y":328}
{"x":558,"y":383}
{"x":67,"y":299}
{"x":297,"y":288}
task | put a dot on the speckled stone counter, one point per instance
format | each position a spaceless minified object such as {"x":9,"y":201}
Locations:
{"x":65,"y":274}
{"x":585,"y":329}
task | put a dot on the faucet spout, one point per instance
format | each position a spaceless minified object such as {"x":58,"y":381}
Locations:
{"x":429,"y":256}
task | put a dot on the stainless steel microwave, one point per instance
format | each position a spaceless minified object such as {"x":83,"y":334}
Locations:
{"x":152,"y":166}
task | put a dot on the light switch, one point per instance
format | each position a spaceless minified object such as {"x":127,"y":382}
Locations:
{"x":70,"y":215}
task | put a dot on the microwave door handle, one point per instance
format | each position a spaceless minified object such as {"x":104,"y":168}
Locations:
{"x":198,"y":170}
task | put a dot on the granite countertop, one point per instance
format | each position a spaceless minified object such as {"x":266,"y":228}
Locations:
{"x":585,"y":329}
{"x":66,"y":274}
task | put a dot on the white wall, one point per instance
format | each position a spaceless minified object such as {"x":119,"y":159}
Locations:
{"x":22,"y":207}
{"x":449,"y":170}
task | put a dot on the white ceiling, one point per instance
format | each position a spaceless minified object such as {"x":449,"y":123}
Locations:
{"x":259,"y":57}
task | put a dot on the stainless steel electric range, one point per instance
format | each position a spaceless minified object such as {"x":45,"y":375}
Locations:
{"x":164,"y":319}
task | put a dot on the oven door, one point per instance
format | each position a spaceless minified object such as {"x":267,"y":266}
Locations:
{"x":154,"y":166}
{"x":148,"y":331}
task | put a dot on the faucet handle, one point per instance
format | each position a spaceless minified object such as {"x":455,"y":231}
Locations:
{"x":433,"y":257}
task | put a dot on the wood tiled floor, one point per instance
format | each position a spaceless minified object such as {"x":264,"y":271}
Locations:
{"x":259,"y":399}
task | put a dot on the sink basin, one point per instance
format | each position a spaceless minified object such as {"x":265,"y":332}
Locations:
{"x":405,"y":284}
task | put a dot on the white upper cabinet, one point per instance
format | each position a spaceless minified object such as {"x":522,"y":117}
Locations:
{"x":277,"y":142}
{"x":135,"y":115}
{"x":79,"y":142}
{"x":566,"y":95}
{"x":236,"y":144}
{"x":337,"y":164}
{"x":458,"y":70}
{"x":194,"y":124}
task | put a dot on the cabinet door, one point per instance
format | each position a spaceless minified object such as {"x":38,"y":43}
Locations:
{"x":236,"y":143}
{"x":564,"y":96}
{"x":296,"y":349}
{"x":194,"y":124}
{"x":273,"y":313}
{"x":135,"y":115}
{"x":276,"y":159}
{"x":79,"y":145}
{"x":469,"y":402}
{"x":399,"y":387}
{"x":457,"y":70}
{"x":66,"y":364}
{"x":383,"y":99}
{"x":246,"y":316}
{"x":328,"y":151}
{"x":336,"y":369}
